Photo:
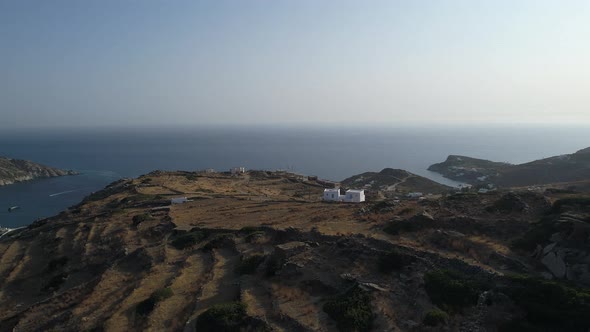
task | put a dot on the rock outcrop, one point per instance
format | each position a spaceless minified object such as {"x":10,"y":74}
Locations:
{"x":16,"y":170}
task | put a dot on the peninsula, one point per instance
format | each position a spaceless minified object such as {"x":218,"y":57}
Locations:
{"x":566,"y":170}
{"x":16,"y":170}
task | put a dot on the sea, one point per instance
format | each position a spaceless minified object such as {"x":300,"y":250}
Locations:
{"x":102,"y":155}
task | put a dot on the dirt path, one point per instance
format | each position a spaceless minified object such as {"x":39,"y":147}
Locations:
{"x":394,"y":186}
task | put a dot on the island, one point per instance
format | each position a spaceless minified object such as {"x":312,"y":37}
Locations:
{"x":17,"y":170}
{"x":261,"y":251}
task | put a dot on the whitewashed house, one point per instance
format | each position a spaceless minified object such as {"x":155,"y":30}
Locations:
{"x":178,"y":200}
{"x":237,"y":170}
{"x":415,"y":195}
{"x":332,"y":195}
{"x":354,"y":196}
{"x":351,"y":196}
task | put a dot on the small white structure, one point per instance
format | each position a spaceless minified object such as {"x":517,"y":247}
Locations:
{"x":178,"y":200}
{"x":354,"y":196}
{"x":351,"y":196}
{"x":237,"y":170}
{"x":483,"y":191}
{"x":332,"y":194}
{"x":415,"y":195}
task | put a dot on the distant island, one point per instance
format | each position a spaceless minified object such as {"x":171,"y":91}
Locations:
{"x":16,"y":170}
{"x":565,"y":169}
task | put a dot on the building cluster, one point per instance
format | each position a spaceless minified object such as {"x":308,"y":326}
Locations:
{"x":351,"y":195}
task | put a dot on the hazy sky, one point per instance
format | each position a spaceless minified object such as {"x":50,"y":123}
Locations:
{"x":142,"y":62}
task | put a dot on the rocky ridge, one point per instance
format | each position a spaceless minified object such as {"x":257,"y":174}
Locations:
{"x":16,"y":170}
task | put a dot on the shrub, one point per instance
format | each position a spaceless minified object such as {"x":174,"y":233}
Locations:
{"x":56,"y":263}
{"x":218,"y":241}
{"x":191,"y":177}
{"x":351,"y":310}
{"x":228,"y":317}
{"x":452,"y":290}
{"x":273,"y":265}
{"x":146,"y":306}
{"x":248,"y":229}
{"x":248,"y":265}
{"x":394,"y":260}
{"x":188,"y":240}
{"x":254,"y":235}
{"x":138,"y":219}
{"x":549,"y":304}
{"x":436,"y":317}
{"x":564,"y":204}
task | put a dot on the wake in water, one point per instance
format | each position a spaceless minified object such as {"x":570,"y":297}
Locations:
{"x":64,"y":192}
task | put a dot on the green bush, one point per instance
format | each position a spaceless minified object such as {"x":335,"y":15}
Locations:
{"x":218,"y":241}
{"x":564,"y":204}
{"x":248,"y":229}
{"x":248,"y":265}
{"x":254,"y":235}
{"x":191,"y":177}
{"x":227,"y":317}
{"x":138,"y":219}
{"x":452,"y":290}
{"x":351,"y":310}
{"x":146,"y":306}
{"x":188,"y":240}
{"x":436,"y":317}
{"x":393,"y":260}
{"x":273,"y":265}
{"x":56,"y":263}
{"x":549,"y":304}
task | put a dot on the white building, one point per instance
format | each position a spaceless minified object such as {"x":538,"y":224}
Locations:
{"x":332,"y":194}
{"x":238,"y":170}
{"x":351,"y":196}
{"x":354,"y":196}
{"x":415,"y":195}
{"x":178,"y":200}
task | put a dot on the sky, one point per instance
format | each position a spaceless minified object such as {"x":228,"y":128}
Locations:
{"x":299,"y":62}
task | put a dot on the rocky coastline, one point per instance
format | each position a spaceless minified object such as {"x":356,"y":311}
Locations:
{"x":16,"y":170}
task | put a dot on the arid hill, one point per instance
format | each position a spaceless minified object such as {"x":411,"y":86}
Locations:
{"x":16,"y":170}
{"x":568,"y":168}
{"x":395,"y":180}
{"x":261,"y":252}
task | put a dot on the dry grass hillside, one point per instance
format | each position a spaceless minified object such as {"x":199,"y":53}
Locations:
{"x":261,"y":252}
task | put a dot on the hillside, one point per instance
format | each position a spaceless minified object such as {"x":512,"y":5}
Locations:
{"x":395,"y":180}
{"x":262,"y":252}
{"x":559,"y":169}
{"x":16,"y":170}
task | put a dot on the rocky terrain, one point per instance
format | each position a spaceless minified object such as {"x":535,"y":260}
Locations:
{"x":568,"y":168}
{"x":261,"y":252}
{"x":16,"y":170}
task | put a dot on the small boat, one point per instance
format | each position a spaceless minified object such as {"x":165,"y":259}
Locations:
{"x":12,"y":208}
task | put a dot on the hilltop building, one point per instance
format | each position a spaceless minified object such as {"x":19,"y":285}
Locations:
{"x":178,"y":200}
{"x":351,"y":196}
{"x":237,"y":170}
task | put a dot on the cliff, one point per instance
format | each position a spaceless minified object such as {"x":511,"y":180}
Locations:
{"x":565,"y":168}
{"x":16,"y":170}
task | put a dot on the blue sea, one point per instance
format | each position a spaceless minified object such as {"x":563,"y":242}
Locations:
{"x":105,"y":155}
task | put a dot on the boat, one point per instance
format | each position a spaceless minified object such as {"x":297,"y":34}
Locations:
{"x":12,"y":208}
